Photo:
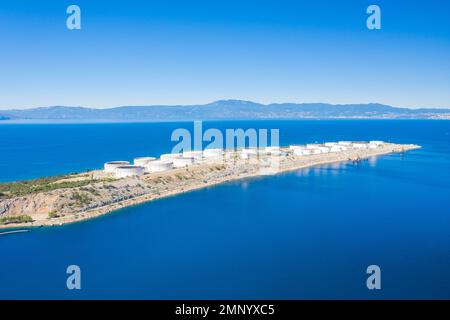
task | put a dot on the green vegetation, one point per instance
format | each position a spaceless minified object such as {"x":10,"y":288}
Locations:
{"x":15,"y":219}
{"x":81,"y":199}
{"x":54,"y":214}
{"x":22,"y":188}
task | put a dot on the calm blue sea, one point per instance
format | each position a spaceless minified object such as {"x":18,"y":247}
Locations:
{"x":302,"y":235}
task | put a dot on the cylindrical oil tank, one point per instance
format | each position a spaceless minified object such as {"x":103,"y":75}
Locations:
{"x":212,"y":153}
{"x":128,"y":171}
{"x":306,"y":152}
{"x":275,"y":152}
{"x":182,"y":162}
{"x":335,"y":149}
{"x":159,"y":165}
{"x":170,"y":156}
{"x":249,"y":152}
{"x":359,"y":145}
{"x":302,"y":152}
{"x":330,"y":144}
{"x":142,"y":161}
{"x":112,"y":165}
{"x":197,"y":155}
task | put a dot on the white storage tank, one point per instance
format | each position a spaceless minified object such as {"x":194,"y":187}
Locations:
{"x":335,"y":149}
{"x":247,"y":153}
{"x":359,"y":145}
{"x":197,"y":155}
{"x":212,"y":153}
{"x":306,"y":152}
{"x":112,"y":165}
{"x":159,"y":165}
{"x":128,"y":171}
{"x":170,"y":156}
{"x":294,"y":147}
{"x":303,"y":152}
{"x":275,"y":152}
{"x":331,"y":144}
{"x":263,"y":152}
{"x":142,"y":161}
{"x":182,"y":162}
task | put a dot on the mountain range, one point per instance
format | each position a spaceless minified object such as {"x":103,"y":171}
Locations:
{"x":224,"y":110}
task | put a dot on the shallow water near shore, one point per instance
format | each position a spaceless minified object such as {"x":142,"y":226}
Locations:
{"x":305,"y":234}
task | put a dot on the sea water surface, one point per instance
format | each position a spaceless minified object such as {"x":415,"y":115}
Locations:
{"x":309,"y":234}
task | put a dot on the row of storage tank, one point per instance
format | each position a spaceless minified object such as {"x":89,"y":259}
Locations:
{"x":332,"y":147}
{"x":123,"y":169}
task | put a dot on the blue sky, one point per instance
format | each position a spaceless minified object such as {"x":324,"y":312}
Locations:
{"x":190,"y":51}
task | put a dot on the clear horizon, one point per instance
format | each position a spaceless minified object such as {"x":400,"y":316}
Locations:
{"x":131,"y":53}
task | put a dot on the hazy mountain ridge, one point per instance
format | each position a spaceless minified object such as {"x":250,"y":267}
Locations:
{"x":226,"y":109}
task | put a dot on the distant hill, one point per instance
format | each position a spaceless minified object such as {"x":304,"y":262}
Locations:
{"x":226,"y":110}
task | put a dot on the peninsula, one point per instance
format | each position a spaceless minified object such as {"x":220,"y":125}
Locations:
{"x":70,"y":198}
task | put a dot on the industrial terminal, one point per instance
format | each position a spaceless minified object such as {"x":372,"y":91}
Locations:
{"x":170,"y":161}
